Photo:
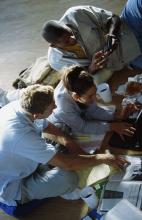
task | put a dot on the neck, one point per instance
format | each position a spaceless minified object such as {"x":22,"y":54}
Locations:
{"x":28,"y":114}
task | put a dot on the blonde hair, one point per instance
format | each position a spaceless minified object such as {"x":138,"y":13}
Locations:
{"x":36,"y":98}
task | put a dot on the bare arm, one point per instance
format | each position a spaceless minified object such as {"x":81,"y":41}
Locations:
{"x":63,"y":139}
{"x":79,"y":162}
{"x":114,"y":25}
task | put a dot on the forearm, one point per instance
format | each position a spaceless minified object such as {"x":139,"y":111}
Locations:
{"x":79,"y":162}
{"x":114,"y":26}
{"x":118,"y":115}
{"x":73,"y":162}
{"x":59,"y":136}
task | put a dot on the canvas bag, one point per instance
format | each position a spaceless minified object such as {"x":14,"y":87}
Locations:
{"x":40,"y":72}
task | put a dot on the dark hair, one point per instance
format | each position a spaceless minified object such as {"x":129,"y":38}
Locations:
{"x":52,"y":31}
{"x":77,"y":79}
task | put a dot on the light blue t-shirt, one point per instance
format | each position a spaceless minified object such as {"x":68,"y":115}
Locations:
{"x":21,"y":150}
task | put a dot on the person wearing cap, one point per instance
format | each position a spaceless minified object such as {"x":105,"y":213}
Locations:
{"x":91,"y":37}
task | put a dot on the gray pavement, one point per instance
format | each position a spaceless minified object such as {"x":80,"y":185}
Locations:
{"x":20,"y":30}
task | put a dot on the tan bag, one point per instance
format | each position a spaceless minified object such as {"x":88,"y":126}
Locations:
{"x":40,"y":72}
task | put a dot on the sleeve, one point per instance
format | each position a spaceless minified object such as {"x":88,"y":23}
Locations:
{"x":35,"y":148}
{"x":14,"y":94}
{"x":41,"y":124}
{"x":102,"y":15}
{"x":58,"y":59}
{"x":98,"y":16}
{"x":71,"y":117}
{"x":96,"y":112}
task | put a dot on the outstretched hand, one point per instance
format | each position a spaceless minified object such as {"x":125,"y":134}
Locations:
{"x":113,"y":160}
{"x":123,"y":128}
{"x":128,"y":110}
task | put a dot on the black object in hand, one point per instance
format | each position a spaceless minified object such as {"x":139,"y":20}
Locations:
{"x":108,"y":44}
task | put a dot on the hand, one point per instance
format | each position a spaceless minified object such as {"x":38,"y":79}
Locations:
{"x":113,"y":160}
{"x":99,"y":60}
{"x":123,"y":128}
{"x":127,"y":110}
{"x":121,"y":162}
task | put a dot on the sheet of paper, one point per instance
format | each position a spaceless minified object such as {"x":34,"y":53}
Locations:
{"x":126,"y":184}
{"x":116,"y":191}
{"x":119,"y":212}
{"x":132,"y":173}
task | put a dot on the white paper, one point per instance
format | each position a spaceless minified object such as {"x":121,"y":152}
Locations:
{"x":116,"y":191}
{"x":123,"y":185}
{"x":124,"y":210}
{"x":132,"y":173}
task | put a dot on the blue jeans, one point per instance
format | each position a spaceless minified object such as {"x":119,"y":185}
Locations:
{"x":132,"y":15}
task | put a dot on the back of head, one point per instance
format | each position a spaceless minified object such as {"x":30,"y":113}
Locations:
{"x":77,"y":79}
{"x":52,"y":31}
{"x":36,"y":98}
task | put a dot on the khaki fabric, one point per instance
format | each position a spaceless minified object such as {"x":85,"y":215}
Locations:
{"x":89,"y":25}
{"x":40,"y":72}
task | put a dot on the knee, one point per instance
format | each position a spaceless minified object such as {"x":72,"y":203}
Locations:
{"x":72,"y":180}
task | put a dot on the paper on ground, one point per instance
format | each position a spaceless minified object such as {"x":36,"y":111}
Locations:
{"x":124,"y":210}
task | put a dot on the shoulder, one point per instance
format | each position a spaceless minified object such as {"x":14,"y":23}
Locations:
{"x":81,"y":8}
{"x":85,"y":14}
{"x":9,"y":110}
{"x":60,"y":92}
{"x":76,"y":11}
{"x":63,"y":99}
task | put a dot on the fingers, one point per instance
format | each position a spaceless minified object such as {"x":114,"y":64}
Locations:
{"x":126,"y":129}
{"x":100,"y":63}
{"x":98,"y":54}
{"x":123,"y":128}
{"x":116,"y":161}
{"x":100,"y":58}
{"x":127,"y":132}
{"x":121,"y":162}
{"x":124,"y":162}
{"x":129,"y":109}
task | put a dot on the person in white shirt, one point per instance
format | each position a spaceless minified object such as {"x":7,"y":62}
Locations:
{"x":76,"y":107}
{"x":25,"y":156}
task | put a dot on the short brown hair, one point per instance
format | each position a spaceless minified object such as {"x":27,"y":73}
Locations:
{"x":36,"y":98}
{"x":77,"y":79}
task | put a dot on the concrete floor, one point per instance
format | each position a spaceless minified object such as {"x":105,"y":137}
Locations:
{"x":21,"y":43}
{"x":20,"y":30}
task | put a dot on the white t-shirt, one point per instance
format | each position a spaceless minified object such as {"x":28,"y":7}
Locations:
{"x":21,"y":150}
